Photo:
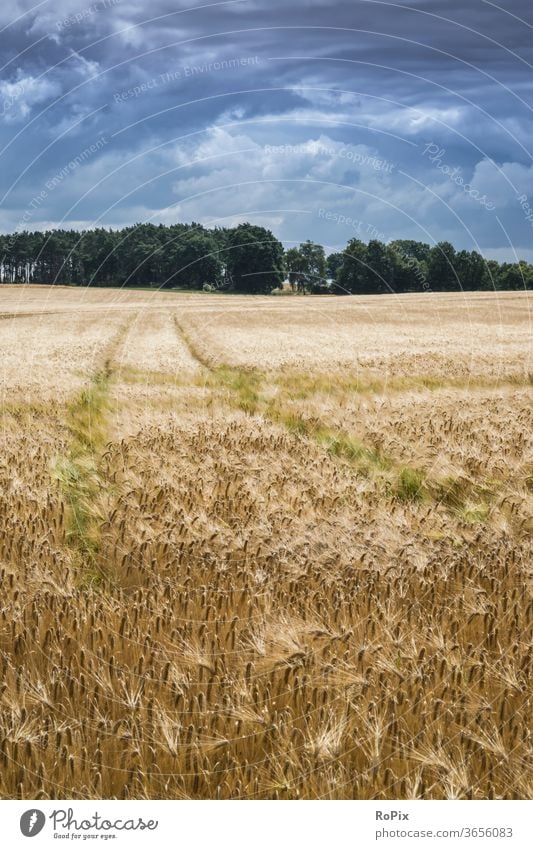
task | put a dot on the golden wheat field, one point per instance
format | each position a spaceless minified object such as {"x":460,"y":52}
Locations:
{"x":265,"y":548}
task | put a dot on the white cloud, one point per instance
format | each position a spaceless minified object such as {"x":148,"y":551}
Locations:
{"x":17,"y":98}
{"x":504,"y":182}
{"x":85,"y":67}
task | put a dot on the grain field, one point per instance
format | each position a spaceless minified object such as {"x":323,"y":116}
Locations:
{"x":265,"y":548}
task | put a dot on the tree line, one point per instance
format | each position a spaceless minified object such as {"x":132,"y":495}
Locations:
{"x":246,"y":258}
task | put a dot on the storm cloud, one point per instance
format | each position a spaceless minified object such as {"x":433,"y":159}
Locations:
{"x":319,"y":119}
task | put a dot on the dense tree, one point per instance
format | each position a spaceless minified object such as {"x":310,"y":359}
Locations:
{"x":192,"y":261}
{"x":380,"y":267}
{"x":254,"y":259}
{"x":493,"y":273}
{"x":306,"y":267}
{"x":411,"y":248}
{"x":247,"y":257}
{"x":410,"y":261}
{"x":526,"y":275}
{"x":471,"y":270}
{"x":145,"y":254}
{"x":366,"y":269}
{"x":410,"y":273}
{"x":442,"y":274}
{"x":333,"y":263}
{"x":352,"y":274}
{"x":293,"y":266}
{"x":98,"y":256}
{"x":516,"y":275}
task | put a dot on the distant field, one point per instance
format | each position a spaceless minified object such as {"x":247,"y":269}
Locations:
{"x":259,"y":547}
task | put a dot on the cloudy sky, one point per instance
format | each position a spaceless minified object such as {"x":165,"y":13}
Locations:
{"x":319,"y":119}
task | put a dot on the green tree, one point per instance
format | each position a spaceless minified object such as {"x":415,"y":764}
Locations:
{"x":471,"y":270}
{"x":352,"y":274}
{"x":255,"y":259}
{"x":249,"y":257}
{"x":411,"y":248}
{"x":333,"y":264}
{"x":515,"y":276}
{"x":306,"y":266}
{"x":441,"y":268}
{"x":293,"y":266}
{"x":410,"y":275}
{"x":380,"y":267}
{"x":366,"y":269}
{"x":191,"y":260}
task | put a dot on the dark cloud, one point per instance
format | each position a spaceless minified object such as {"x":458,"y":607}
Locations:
{"x":297,"y":101}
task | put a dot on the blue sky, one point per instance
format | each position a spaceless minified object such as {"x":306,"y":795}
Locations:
{"x":318,"y":119}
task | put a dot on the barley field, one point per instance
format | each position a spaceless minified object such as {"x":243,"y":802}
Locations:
{"x":265,"y":547}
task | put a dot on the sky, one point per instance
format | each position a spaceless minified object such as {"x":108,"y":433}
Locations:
{"x":317,"y":119}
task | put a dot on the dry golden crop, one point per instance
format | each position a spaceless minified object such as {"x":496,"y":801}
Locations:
{"x":265,"y":548}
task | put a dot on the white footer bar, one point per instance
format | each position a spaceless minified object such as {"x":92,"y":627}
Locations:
{"x":267,"y":825}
